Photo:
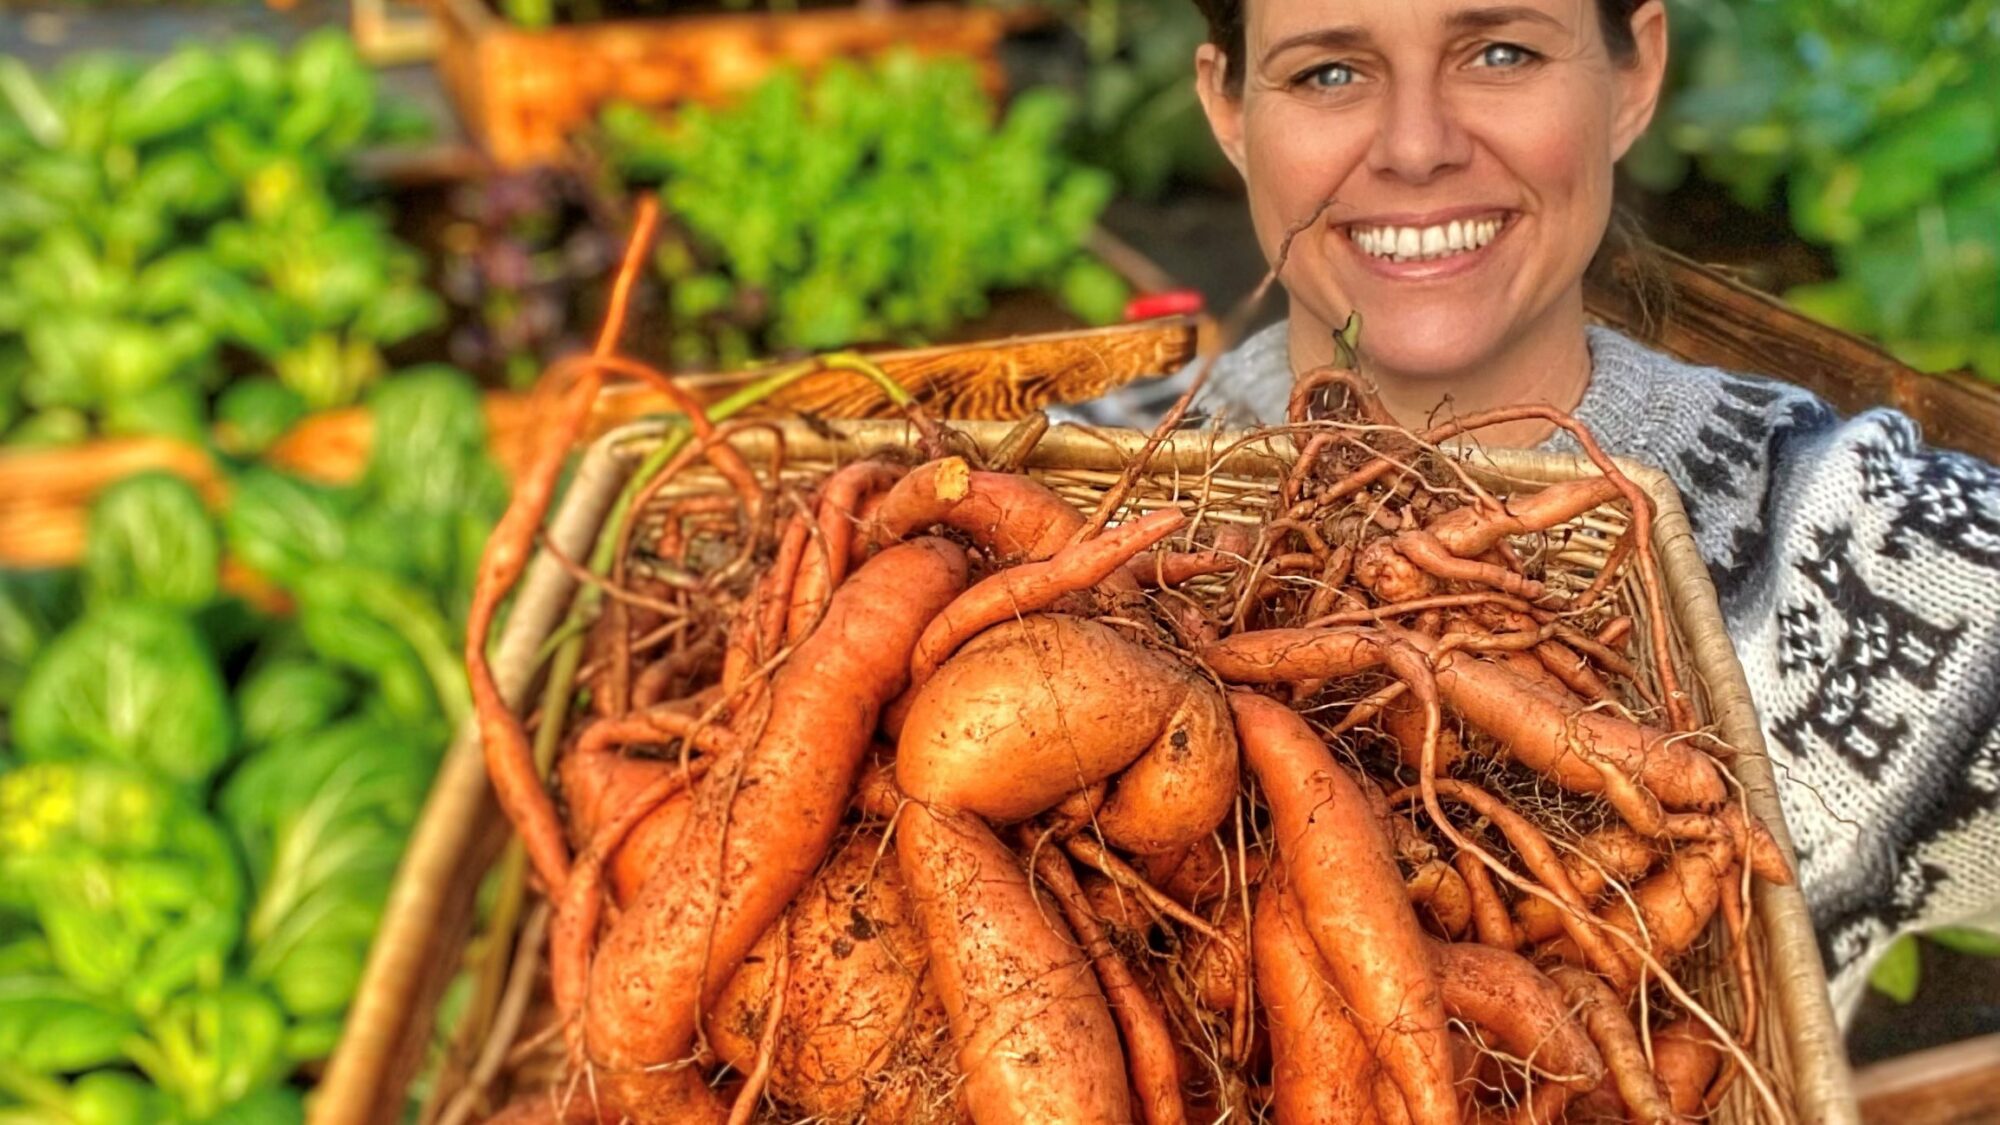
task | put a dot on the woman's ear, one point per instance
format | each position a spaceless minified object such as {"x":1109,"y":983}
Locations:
{"x":1224,"y":110}
{"x":1640,"y":80}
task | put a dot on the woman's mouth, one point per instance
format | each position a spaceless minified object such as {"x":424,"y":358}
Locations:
{"x":1435,"y":242}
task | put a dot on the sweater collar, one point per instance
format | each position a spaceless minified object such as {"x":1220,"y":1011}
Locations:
{"x":1253,"y":381}
{"x":1619,"y":407}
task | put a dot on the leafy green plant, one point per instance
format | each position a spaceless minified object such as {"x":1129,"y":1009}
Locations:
{"x":132,"y":682}
{"x":205,"y":806}
{"x":164,"y":229}
{"x":1877,"y":127}
{"x":873,"y":203}
{"x":1899,"y":973}
{"x":1141,"y":119}
{"x":150,"y":538}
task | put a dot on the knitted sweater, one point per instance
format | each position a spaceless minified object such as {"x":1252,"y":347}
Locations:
{"x":1859,"y":576}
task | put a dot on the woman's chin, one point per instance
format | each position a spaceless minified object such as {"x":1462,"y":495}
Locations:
{"x":1443,"y":346}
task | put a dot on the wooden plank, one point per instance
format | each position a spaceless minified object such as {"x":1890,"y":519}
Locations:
{"x":1957,"y":1084}
{"x":1717,"y":321}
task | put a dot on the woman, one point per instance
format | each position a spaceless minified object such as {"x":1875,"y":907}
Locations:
{"x":1445,"y":168}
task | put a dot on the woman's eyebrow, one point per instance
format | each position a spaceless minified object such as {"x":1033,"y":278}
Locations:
{"x":1458,"y":22}
{"x":1324,"y":38}
{"x":1486,"y":19}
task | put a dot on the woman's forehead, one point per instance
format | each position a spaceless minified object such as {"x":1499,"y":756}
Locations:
{"x":1365,"y":22}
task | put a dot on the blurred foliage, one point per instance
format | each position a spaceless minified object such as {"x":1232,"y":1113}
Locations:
{"x":1141,"y":120}
{"x":875,"y":203}
{"x":520,"y":250}
{"x":166,"y":227}
{"x":202,"y":804}
{"x":1899,"y":973}
{"x":1876,"y":127}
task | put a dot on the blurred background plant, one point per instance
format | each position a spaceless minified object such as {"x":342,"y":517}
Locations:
{"x":205,"y":787}
{"x":166,"y":227}
{"x":878,"y":203}
{"x":1140,"y":118}
{"x":1874,"y":130}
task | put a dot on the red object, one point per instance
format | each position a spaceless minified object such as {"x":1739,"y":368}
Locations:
{"x":1173,"y":302}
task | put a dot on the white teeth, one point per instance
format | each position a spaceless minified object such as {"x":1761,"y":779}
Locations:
{"x":1409,"y":244}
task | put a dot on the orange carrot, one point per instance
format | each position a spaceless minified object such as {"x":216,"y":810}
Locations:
{"x":756,"y":833}
{"x":1034,"y":1035}
{"x":1357,"y":913}
{"x":1150,"y":1054}
{"x":825,"y":564}
{"x":1489,"y":914}
{"x":1540,"y":857}
{"x":1034,"y":586}
{"x":857,"y":1003}
{"x":1685,"y":1058}
{"x":1441,"y":894}
{"x":1014,"y":517}
{"x":1475,"y":529}
{"x":1614,"y":852}
{"x":1321,"y":1064}
{"x":1527,"y":1015}
{"x":1605,"y":1018}
{"x":1675,"y":904}
{"x":1034,"y":710}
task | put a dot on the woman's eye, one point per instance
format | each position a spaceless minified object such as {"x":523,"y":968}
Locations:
{"x":1503,"y":55}
{"x":1331,"y":76}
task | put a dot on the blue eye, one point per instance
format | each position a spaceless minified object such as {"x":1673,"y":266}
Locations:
{"x":1331,"y":76}
{"x":1504,"y":55}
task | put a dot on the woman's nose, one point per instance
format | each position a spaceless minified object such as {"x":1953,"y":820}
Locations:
{"x":1418,"y":138}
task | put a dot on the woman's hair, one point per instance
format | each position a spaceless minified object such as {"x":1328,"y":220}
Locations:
{"x":1626,"y":261}
{"x":1226,"y":23}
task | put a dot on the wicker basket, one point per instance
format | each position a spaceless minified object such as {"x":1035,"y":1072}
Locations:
{"x":429,"y":920}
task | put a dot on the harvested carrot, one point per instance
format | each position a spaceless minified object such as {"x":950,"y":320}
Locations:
{"x":1674,"y":905}
{"x":1604,"y":1017}
{"x":1441,"y":895}
{"x":858,"y":1008}
{"x":1034,"y":1035}
{"x":1527,"y":1015}
{"x":1035,"y":586}
{"x":1321,"y":1065}
{"x":1215,"y":965}
{"x":1685,"y":1058}
{"x":598,"y":787}
{"x":697,"y":916}
{"x":1356,"y":912}
{"x":1017,"y":518}
{"x":1614,"y":852}
{"x":1150,"y":1054}
{"x":1490,"y":919}
{"x":1473,"y":530}
{"x":1036,"y":709}
{"x":822,"y":568}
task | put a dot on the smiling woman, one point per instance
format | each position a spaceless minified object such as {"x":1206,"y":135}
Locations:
{"x":1453,"y":167}
{"x":1444,"y":168}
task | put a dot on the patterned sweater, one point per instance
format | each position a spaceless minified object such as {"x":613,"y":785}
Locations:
{"x":1859,"y":575}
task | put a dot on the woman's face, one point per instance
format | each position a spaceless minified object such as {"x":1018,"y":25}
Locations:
{"x":1466,"y":147}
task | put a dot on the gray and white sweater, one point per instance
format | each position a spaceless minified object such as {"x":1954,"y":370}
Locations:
{"x":1859,"y":574}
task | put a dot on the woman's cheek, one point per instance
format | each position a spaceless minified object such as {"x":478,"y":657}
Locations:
{"x":1299,"y":158}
